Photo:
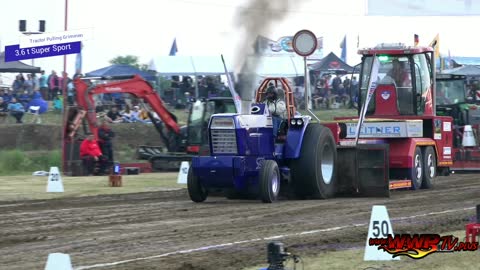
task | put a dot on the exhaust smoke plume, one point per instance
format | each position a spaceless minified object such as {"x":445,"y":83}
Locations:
{"x":256,"y":18}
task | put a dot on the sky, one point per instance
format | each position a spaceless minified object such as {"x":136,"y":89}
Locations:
{"x":147,"y":28}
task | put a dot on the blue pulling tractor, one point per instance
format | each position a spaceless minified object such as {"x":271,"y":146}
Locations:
{"x":302,"y":158}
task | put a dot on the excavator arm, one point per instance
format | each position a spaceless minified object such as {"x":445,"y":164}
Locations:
{"x":134,"y":85}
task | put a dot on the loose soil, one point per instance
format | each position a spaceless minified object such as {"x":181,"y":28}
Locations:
{"x":113,"y":228}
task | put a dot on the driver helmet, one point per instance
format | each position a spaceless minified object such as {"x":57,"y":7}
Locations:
{"x":271,"y":93}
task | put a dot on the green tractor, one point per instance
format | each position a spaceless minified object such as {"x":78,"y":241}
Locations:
{"x":451,"y":100}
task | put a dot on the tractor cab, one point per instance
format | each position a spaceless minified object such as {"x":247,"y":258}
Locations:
{"x":452,"y":100}
{"x":404,"y":81}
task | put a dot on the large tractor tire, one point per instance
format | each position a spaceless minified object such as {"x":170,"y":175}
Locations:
{"x":269,"y":181}
{"x":196,"y":191}
{"x":429,"y":166}
{"x":314,"y":172}
{"x":417,"y":171}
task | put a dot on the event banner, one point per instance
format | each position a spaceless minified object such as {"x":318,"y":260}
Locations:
{"x":423,"y":8}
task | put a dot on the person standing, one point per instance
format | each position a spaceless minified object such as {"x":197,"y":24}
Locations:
{"x":43,"y":81}
{"x":105,"y":135}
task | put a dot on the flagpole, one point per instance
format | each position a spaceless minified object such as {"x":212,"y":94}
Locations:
{"x":64,"y":105}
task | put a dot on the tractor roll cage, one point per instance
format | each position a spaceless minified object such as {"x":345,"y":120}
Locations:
{"x":288,"y":94}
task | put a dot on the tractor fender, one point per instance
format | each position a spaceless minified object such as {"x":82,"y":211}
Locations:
{"x":295,"y":140}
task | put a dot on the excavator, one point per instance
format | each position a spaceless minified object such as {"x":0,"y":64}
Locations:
{"x":181,"y":143}
{"x":86,"y":109}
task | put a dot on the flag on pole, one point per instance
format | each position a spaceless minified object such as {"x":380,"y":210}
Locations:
{"x":415,"y":40}
{"x":372,"y":85}
{"x":358,"y":41}
{"x":343,"y":45}
{"x":173,"y":49}
{"x":435,"y":44}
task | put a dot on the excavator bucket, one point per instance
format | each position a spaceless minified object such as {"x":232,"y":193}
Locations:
{"x":363,"y":170}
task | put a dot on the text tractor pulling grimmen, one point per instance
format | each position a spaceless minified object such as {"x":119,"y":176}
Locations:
{"x":402,"y":143}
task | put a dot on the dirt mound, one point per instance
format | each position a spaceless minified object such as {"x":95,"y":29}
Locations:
{"x":48,"y":137}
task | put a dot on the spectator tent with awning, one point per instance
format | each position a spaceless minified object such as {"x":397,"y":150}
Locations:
{"x":464,"y":70}
{"x":120,"y":70}
{"x":331,"y":63}
{"x":16,"y":66}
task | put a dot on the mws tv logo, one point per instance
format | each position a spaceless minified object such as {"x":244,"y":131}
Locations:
{"x":418,"y":246}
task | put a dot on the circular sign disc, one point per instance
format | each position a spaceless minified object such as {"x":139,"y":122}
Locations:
{"x":304,"y":43}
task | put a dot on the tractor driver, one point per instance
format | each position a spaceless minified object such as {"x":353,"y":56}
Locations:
{"x":276,"y":106}
{"x":399,"y":74}
{"x":442,"y":98}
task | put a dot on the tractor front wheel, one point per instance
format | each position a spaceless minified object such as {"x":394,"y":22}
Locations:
{"x":269,"y":181}
{"x":196,"y":191}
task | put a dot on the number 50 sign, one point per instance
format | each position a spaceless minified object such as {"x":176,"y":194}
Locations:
{"x":379,"y":227}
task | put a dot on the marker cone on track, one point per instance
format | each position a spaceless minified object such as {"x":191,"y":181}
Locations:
{"x":54,"y":180}
{"x":380,"y":227}
{"x":58,"y":261}
{"x":183,"y":172}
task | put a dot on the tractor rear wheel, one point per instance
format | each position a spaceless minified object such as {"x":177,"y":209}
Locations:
{"x":269,"y":181}
{"x":417,"y":171}
{"x":314,"y":172}
{"x":196,"y":191}
{"x":430,"y":167}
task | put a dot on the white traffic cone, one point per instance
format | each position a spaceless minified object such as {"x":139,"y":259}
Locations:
{"x":468,"y":137}
{"x":183,"y":172}
{"x":58,"y":261}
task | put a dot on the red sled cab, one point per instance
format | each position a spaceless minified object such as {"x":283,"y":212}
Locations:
{"x":401,"y":113}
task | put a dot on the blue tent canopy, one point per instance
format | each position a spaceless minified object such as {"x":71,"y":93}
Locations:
{"x":120,"y":70}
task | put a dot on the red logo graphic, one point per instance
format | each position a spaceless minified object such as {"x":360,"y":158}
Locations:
{"x":334,"y":64}
{"x":419,"y":246}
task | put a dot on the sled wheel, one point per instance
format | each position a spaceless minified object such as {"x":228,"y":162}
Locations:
{"x":430,"y":167}
{"x":417,"y":171}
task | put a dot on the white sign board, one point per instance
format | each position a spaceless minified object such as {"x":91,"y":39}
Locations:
{"x":183,"y":173}
{"x":379,"y":227}
{"x":409,"y":129}
{"x":55,"y":38}
{"x":54,"y":181}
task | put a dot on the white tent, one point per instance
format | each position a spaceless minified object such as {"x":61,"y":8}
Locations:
{"x":188,"y":65}
{"x":265,"y":66}
{"x":276,"y":66}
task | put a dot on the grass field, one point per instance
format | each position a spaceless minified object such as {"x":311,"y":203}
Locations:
{"x":26,"y":187}
{"x":353,"y":259}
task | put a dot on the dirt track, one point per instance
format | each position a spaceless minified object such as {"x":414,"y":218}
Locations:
{"x":107,"y":229}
